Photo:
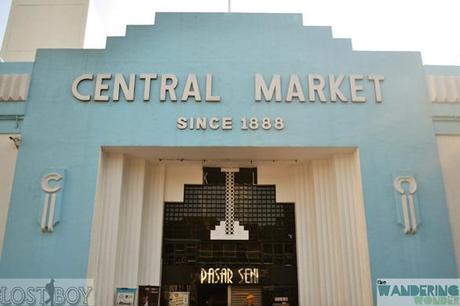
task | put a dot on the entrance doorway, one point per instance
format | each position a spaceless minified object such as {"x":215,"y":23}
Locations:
{"x":162,"y":210}
{"x":227,"y":295}
{"x":226,"y":272}
{"x":239,"y":295}
{"x":210,"y":295}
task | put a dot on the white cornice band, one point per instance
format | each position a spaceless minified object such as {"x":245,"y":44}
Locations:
{"x":444,"y":88}
{"x":14,"y":87}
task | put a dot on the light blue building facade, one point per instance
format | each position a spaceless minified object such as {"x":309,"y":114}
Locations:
{"x":385,"y":112}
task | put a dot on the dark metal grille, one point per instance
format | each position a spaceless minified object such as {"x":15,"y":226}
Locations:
{"x":187,"y":227}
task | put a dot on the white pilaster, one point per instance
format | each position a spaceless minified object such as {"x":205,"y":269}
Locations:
{"x":103,"y":250}
{"x":449,"y":148}
{"x":306,"y":232}
{"x":8,"y":154}
{"x":353,"y":230}
{"x":330,"y":253}
{"x":129,"y":228}
{"x":152,"y":227}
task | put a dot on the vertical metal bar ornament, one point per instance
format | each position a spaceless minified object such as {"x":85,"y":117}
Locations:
{"x":229,"y":229}
{"x":47,"y":219}
{"x":409,"y":215}
{"x":229,"y":202}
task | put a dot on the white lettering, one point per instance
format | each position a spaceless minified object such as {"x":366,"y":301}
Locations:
{"x":214,"y":123}
{"x":334,"y":87}
{"x":191,"y":89}
{"x":76,"y":82}
{"x":295,"y":89}
{"x":377,"y":79}
{"x":120,"y":84}
{"x":316,"y":85}
{"x":355,"y":88}
{"x":168,"y":85}
{"x":201,"y":123}
{"x":227,"y":123}
{"x":147,"y":83}
{"x":209,"y":96}
{"x":100,"y":87}
{"x":225,"y":276}
{"x":181,"y":123}
{"x":261,"y":88}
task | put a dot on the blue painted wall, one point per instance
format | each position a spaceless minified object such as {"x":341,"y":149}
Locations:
{"x":394,"y":136}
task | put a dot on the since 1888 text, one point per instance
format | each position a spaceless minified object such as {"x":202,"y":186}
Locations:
{"x":227,"y":123}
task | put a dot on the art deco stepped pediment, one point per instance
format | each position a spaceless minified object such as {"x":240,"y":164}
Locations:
{"x":218,"y":36}
{"x":206,"y":30}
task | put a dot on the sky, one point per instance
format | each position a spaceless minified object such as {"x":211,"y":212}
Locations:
{"x":429,"y":26}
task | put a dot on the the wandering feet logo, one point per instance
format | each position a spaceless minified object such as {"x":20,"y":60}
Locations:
{"x":409,"y":292}
{"x":46,"y":292}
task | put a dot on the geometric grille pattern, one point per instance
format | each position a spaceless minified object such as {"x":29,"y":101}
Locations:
{"x":204,"y":205}
{"x":271,"y":245}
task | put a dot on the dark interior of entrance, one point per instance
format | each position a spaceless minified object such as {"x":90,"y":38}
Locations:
{"x":212,"y":295}
{"x":270,"y":249}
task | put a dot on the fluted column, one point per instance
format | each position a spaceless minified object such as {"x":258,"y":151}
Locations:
{"x":353,"y":229}
{"x":129,"y":229}
{"x":105,"y":227}
{"x":306,"y":232}
{"x":330,"y":253}
{"x":152,"y":227}
{"x":301,"y":234}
